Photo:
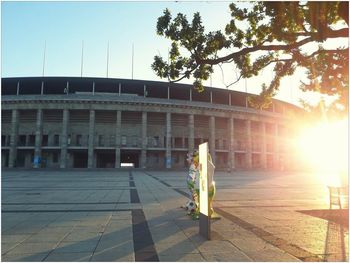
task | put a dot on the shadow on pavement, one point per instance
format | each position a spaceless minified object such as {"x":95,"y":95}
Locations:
{"x":338,"y":223}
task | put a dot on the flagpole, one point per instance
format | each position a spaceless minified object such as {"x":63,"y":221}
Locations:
{"x":44,"y":59}
{"x":82,"y":58}
{"x":107,"y":58}
{"x":132,"y":62}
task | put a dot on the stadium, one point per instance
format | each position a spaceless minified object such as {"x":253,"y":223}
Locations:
{"x":74,"y":122}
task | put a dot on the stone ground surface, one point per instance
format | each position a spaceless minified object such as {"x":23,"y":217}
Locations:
{"x":121,"y":215}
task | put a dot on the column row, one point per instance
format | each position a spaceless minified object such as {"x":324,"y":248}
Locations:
{"x":234,"y":151}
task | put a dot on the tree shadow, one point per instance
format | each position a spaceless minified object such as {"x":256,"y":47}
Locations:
{"x":335,"y":243}
{"x":338,"y":226}
{"x":124,"y":244}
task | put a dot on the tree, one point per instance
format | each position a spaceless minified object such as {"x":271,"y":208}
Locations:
{"x":263,"y":34}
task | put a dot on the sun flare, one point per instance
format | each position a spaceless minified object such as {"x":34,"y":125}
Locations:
{"x":325,"y":147}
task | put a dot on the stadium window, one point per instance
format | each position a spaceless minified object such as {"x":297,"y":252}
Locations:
{"x":3,"y":140}
{"x":217,"y":144}
{"x":55,"y":157}
{"x":178,"y":142}
{"x":134,"y":141}
{"x":21,"y":140}
{"x":79,"y":137}
{"x":156,"y":141}
{"x":31,"y":140}
{"x":45,"y":140}
{"x":176,"y":158}
{"x":56,"y":139}
{"x":100,"y":140}
{"x":197,"y":142}
{"x":112,"y":140}
{"x":123,"y":140}
{"x":186,"y":143}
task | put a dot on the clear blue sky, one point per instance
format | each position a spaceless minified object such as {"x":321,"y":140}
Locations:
{"x":26,"y":26}
{"x":63,"y":25}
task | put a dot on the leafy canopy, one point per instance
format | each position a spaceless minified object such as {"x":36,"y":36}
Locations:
{"x":265,"y":33}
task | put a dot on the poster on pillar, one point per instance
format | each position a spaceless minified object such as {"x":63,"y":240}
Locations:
{"x":206,"y":168}
{"x":168,"y":162}
{"x":203,"y":182}
{"x":37,"y":161}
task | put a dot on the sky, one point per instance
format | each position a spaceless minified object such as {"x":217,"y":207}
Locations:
{"x":54,"y":32}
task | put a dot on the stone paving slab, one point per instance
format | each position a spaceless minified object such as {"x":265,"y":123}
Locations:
{"x":101,"y":216}
{"x":71,"y":257}
{"x":27,"y":248}
{"x":182,"y":258}
{"x":24,"y":257}
{"x":226,"y":257}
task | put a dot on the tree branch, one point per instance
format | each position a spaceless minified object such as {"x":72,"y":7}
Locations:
{"x":245,"y":51}
{"x":184,"y":76}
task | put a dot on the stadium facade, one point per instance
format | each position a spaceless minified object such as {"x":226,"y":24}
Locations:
{"x":72,"y":122}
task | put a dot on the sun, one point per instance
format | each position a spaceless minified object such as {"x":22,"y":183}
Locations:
{"x":325,"y":147}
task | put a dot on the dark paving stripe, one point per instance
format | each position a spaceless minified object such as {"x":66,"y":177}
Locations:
{"x":98,"y":203}
{"x":252,"y":206}
{"x":168,"y":185}
{"x":156,"y":178}
{"x":143,"y":243}
{"x":131,"y":183}
{"x":270,"y":238}
{"x":182,"y":192}
{"x":65,"y":189}
{"x":338,"y":216}
{"x":64,"y":210}
{"x":134,"y":196}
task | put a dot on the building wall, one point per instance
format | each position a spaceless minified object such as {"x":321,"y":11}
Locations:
{"x":131,"y":139}
{"x":154,"y":134}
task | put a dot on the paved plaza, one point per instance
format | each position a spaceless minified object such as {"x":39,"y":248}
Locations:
{"x":135,"y":215}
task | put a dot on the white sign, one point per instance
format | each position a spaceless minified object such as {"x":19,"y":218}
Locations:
{"x":203,"y":182}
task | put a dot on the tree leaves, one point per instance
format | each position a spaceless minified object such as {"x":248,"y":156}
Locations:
{"x":278,"y":30}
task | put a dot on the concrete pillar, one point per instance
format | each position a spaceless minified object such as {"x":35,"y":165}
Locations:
{"x":249,"y":145}
{"x":212,"y":138}
{"x":64,"y":139}
{"x":18,"y":85}
{"x":13,"y":139}
{"x":263,"y":145}
{"x":191,"y":133}
{"x":231,"y":143}
{"x":38,"y":137}
{"x":144,"y":140}
{"x":118,"y":138}
{"x":27,"y":140}
{"x":91,"y":139}
{"x":168,"y":141}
